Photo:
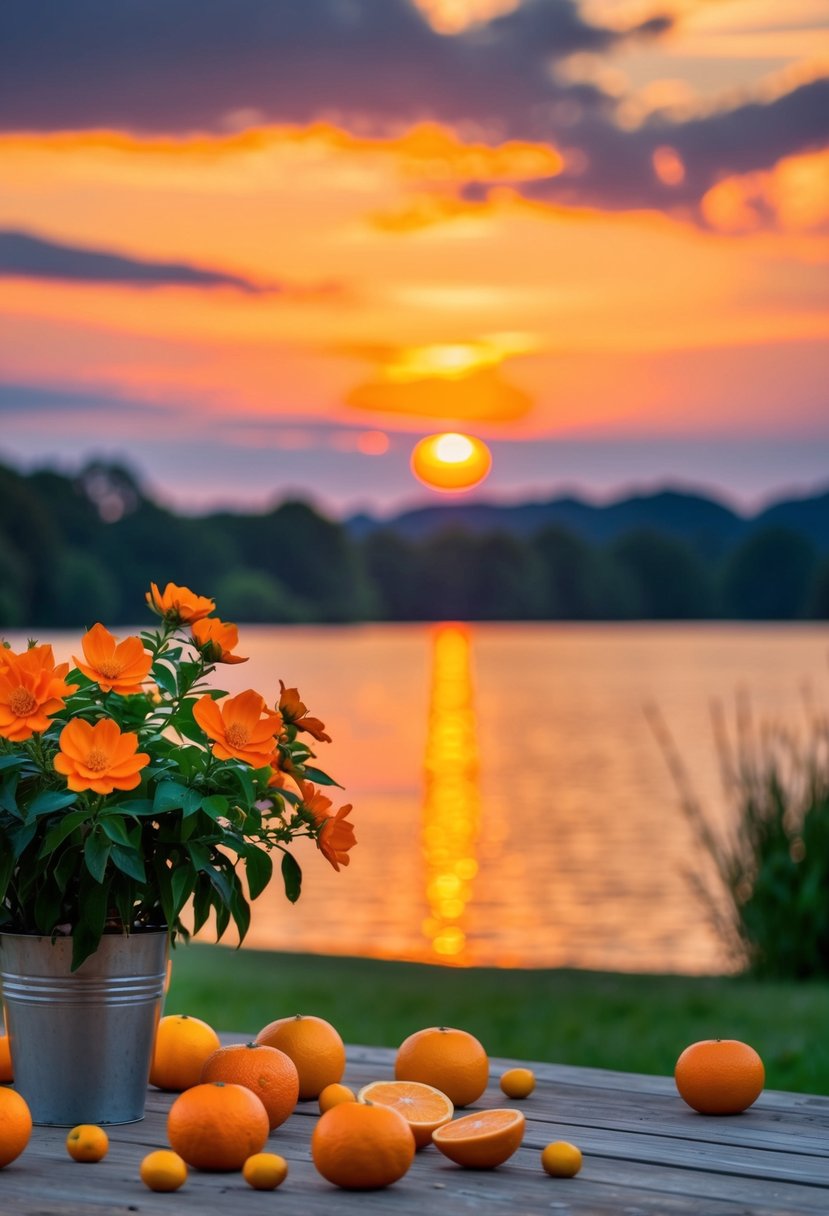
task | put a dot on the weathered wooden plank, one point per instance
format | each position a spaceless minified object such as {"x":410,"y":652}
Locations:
{"x":645,"y":1153}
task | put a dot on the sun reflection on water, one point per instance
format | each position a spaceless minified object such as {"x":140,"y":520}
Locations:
{"x":451,"y":805}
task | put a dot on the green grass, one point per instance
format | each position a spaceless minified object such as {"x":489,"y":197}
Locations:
{"x":637,"y":1023}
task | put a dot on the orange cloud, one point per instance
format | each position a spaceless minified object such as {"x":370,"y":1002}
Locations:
{"x":480,"y":396}
{"x":793,"y":196}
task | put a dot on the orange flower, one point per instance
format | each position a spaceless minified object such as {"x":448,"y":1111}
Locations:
{"x":179,"y":605}
{"x":314,"y":801}
{"x":32,"y":688}
{"x":216,"y":640}
{"x":293,"y":711}
{"x":336,"y":838}
{"x":237,"y":727}
{"x":99,"y":758}
{"x":117,"y":666}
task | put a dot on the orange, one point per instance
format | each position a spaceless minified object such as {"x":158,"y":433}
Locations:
{"x":518,"y":1082}
{"x":481,"y":1141}
{"x":719,"y":1076}
{"x":314,"y":1046}
{"x":451,"y":1060}
{"x":362,"y":1147}
{"x":87,"y":1142}
{"x":267,"y":1071}
{"x":265,"y":1171}
{"x":182,"y":1044}
{"x":561,"y":1159}
{"x":15,"y":1125}
{"x":6,"y":1071}
{"x":422,"y":1106}
{"x":332,"y":1095}
{"x":163,"y":1170}
{"x":217,"y":1126}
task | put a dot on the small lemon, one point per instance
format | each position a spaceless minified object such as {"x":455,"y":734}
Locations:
{"x":561,"y":1159}
{"x":265,"y":1171}
{"x":163,"y":1170}
{"x":87,"y":1142}
{"x":518,"y":1082}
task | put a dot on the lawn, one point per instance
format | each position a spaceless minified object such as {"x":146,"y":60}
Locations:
{"x":636,"y":1023}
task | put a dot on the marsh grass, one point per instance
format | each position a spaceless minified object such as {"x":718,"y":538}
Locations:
{"x":635,"y":1023}
{"x":767,"y":892}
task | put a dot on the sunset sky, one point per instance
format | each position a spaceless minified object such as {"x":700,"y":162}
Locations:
{"x":260,"y":247}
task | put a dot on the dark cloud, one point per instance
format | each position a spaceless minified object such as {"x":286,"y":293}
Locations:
{"x":25,"y":400}
{"x":26,"y":256}
{"x":184,"y":66}
{"x":373,"y":65}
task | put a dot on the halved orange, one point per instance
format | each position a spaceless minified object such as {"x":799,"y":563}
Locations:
{"x":422,"y":1106}
{"x":483,"y":1140}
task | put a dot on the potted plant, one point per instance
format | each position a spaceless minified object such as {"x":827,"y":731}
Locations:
{"x":135,"y":800}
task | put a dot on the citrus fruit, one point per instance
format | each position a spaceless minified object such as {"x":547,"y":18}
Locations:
{"x":315,"y":1048}
{"x":362,"y":1147}
{"x":6,"y":1071}
{"x":15,"y":1125}
{"x":87,"y":1142}
{"x":265,"y":1171}
{"x":518,"y":1082}
{"x":163,"y":1170}
{"x":422,"y":1106}
{"x":481,"y":1141}
{"x":267,"y":1071}
{"x":332,"y":1095}
{"x":182,"y":1044}
{"x":451,"y":1060}
{"x":719,"y":1076}
{"x":561,"y":1159}
{"x":215,"y":1126}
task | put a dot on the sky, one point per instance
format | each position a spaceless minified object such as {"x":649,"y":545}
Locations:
{"x":258,"y":248}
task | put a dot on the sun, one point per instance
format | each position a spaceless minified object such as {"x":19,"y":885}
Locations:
{"x":451,"y":462}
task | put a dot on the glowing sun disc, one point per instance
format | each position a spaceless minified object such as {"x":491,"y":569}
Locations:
{"x":451,"y":461}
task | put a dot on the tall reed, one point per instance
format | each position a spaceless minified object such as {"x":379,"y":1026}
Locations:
{"x":767,"y":893}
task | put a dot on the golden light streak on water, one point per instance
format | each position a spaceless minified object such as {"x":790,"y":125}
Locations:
{"x":451,"y":804}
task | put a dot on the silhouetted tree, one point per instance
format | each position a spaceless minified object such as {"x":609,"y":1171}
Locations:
{"x":672,"y":582}
{"x":768,"y":576}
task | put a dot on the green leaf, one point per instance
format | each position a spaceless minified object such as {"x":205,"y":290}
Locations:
{"x":48,"y":906}
{"x":63,"y":828}
{"x":115,"y":829}
{"x":201,"y":903}
{"x":183,"y":882}
{"x":170,"y":796}
{"x":50,"y":800}
{"x":96,"y":854}
{"x":291,"y":877}
{"x":8,"y":795}
{"x":86,"y":934}
{"x":240,"y":911}
{"x":216,"y":806}
{"x":67,"y":866}
{"x":321,"y":778}
{"x":7,"y":860}
{"x":222,"y":911}
{"x":21,"y":837}
{"x":140,"y":807}
{"x":245,"y":780}
{"x":165,"y":678}
{"x":11,"y":762}
{"x":199,"y":855}
{"x":129,"y":861}
{"x":259,"y":870}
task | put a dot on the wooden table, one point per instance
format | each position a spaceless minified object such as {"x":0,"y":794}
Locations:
{"x":644,"y":1151}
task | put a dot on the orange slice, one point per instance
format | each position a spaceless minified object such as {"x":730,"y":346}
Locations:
{"x":481,"y":1141}
{"x":422,"y":1106}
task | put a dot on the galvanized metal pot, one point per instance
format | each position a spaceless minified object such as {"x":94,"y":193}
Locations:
{"x":82,"y":1041}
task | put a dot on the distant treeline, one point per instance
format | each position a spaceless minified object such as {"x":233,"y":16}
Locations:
{"x":74,"y":550}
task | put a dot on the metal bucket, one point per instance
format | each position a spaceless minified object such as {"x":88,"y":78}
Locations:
{"x":82,"y":1041}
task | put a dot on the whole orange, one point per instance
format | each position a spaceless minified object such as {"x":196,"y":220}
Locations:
{"x":453,"y":1061}
{"x":362,"y":1147}
{"x":315,"y":1048}
{"x":15,"y":1125}
{"x":182,"y":1044}
{"x":87,"y":1142}
{"x":267,"y":1071}
{"x":6,"y":1070}
{"x":719,"y":1076}
{"x":163,"y":1170}
{"x":216,"y":1126}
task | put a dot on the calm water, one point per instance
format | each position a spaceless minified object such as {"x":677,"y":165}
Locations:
{"x":511,"y":804}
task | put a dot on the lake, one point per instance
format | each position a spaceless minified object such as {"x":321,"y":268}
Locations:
{"x":511,"y":803}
